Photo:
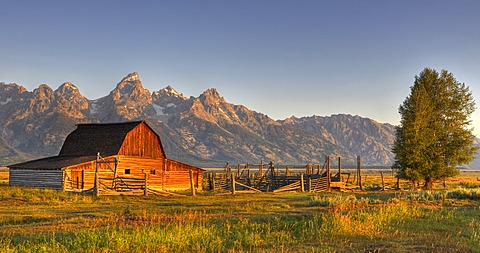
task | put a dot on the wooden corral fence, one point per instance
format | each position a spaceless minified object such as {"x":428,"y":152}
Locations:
{"x":263,"y":177}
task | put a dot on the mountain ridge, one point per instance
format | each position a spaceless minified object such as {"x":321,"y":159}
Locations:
{"x":205,"y":130}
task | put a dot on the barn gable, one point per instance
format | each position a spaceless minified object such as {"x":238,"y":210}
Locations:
{"x":130,"y":138}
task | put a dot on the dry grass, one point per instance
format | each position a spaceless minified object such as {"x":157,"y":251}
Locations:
{"x":33,"y":220}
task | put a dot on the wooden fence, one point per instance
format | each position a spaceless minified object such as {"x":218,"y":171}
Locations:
{"x":313,"y":177}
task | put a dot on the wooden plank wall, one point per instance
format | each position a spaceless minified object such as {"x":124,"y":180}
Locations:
{"x":36,"y":178}
{"x":106,"y":171}
{"x":163,"y":174}
{"x":142,"y":142}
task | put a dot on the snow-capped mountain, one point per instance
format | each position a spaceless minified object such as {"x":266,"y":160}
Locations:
{"x":204,"y":130}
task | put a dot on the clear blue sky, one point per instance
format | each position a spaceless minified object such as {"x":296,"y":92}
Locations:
{"x":280,"y":58}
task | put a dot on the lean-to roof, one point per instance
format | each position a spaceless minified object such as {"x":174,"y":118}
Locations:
{"x":53,"y":163}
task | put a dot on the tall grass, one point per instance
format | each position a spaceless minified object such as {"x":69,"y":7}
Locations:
{"x":43,"y":196}
{"x":50,"y":221}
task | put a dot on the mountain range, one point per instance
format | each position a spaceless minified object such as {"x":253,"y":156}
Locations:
{"x":206,"y":131}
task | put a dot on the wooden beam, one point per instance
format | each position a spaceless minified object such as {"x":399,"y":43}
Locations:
{"x":249,"y":187}
{"x":192,"y":184}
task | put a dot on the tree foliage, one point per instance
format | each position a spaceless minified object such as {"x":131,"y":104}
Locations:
{"x":434,"y":136}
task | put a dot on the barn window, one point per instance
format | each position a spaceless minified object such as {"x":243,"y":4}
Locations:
{"x":152,"y":172}
{"x":127,"y":171}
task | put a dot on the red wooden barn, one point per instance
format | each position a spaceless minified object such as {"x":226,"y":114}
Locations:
{"x":126,"y":156}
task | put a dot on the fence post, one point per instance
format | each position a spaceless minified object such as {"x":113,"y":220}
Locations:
{"x":327,"y":161}
{"x":340,"y":167}
{"x":210,"y":186}
{"x":272,"y":175}
{"x":192,"y":184}
{"x":233,"y":184}
{"x":97,"y":183}
{"x":248,"y":175}
{"x":383,"y":182}
{"x":145,"y":192}
{"x":302,"y":183}
{"x":260,"y":170}
{"x":213,"y":181}
{"x":359,"y":172}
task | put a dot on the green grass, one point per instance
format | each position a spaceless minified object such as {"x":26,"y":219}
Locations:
{"x":33,"y":220}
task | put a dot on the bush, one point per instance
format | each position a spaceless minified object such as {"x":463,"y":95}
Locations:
{"x":462,"y":193}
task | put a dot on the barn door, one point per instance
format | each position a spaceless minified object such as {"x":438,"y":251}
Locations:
{"x":77,"y":179}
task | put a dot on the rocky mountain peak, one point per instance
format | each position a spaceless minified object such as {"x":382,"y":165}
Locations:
{"x":168,"y":91}
{"x":291,"y":120}
{"x":43,"y":91}
{"x":132,"y":77}
{"x":211,"y":92}
{"x":127,"y":101}
{"x":11,"y":87}
{"x":70,"y":101}
{"x":10,"y":92}
{"x":130,"y":88}
{"x":67,"y":90}
{"x":211,"y":97}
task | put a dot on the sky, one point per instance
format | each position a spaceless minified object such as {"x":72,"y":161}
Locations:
{"x":280,"y":58}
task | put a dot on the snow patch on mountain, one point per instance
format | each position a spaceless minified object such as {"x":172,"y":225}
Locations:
{"x":6,"y":102}
{"x":94,"y":108}
{"x":71,"y":86}
{"x":132,"y":77}
{"x":170,"y":90}
{"x":159,"y":110}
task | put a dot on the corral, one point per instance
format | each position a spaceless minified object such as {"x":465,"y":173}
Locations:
{"x":263,"y":177}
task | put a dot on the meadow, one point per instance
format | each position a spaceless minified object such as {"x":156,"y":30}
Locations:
{"x":442,"y":220}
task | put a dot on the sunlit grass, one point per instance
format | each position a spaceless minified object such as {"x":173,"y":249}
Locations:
{"x":443,"y":220}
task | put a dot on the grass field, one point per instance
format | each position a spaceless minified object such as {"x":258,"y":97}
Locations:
{"x":444,"y":220}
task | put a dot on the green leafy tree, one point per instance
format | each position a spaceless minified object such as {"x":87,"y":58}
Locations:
{"x":434,"y":136}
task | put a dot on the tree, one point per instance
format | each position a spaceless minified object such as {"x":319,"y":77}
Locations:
{"x":434,"y":135}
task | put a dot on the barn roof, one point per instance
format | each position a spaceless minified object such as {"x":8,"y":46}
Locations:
{"x":84,"y":143}
{"x":89,"y":139}
{"x":53,"y":163}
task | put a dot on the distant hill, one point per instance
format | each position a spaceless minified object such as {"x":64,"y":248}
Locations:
{"x":204,"y":130}
{"x":9,"y":155}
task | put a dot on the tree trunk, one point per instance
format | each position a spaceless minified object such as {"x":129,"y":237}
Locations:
{"x":428,"y":184}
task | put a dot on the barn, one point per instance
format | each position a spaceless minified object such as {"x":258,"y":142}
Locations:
{"x":121,"y":157}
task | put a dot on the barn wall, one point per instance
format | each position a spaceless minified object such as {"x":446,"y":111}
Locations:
{"x":106,"y":168}
{"x":163,"y":174}
{"x":88,"y":170}
{"x":36,"y":178}
{"x":142,"y":142}
{"x":177,"y":175}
